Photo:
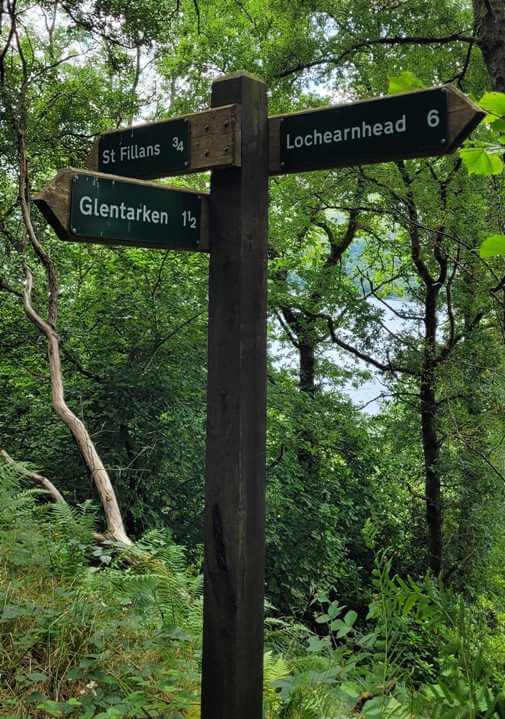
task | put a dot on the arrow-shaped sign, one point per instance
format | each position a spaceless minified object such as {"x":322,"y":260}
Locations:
{"x":408,"y":125}
{"x":192,"y":143}
{"x":88,"y":206}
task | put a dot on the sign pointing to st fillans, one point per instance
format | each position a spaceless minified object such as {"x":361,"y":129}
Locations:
{"x":145,"y":151}
{"x":192,"y":143}
{"x":408,"y":125}
{"x":87,"y":206}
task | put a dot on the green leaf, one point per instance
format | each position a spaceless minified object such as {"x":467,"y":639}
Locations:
{"x":111,"y":713}
{"x":494,"y":104}
{"x":73,"y":702}
{"x":343,"y":631}
{"x":480,"y":162}
{"x":12,"y":611}
{"x":350,"y":618}
{"x":493,"y":246}
{"x":351,"y":689}
{"x":317,"y":644}
{"x":498,"y":125}
{"x":51,"y":708}
{"x":404,"y":82}
{"x":409,"y":603}
{"x":36,"y":677}
{"x":374,"y":709}
{"x":334,"y":610}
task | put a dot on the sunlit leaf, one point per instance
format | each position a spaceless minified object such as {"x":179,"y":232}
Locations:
{"x":480,"y":162}
{"x":493,"y":246}
{"x":494,"y":104}
{"x":404,"y":82}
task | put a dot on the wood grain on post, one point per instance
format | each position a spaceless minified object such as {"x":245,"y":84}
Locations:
{"x":232,"y":681}
{"x":214,"y":141}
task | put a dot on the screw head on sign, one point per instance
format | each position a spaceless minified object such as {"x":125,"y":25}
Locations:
{"x":443,"y":140}
{"x":283,"y":163}
{"x":186,"y":163}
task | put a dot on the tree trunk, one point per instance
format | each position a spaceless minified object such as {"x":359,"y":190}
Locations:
{"x":431,"y":445}
{"x":307,"y":367}
{"x":432,"y":477}
{"x":307,"y":448}
{"x":489,"y":20}
{"x":115,"y":526}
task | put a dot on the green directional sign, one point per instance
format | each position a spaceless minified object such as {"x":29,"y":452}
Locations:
{"x":115,"y":211}
{"x":88,"y":206}
{"x":391,"y":127}
{"x":146,"y":150}
{"x":422,"y":123}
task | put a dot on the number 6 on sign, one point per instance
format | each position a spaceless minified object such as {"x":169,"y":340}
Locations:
{"x":433,"y":118}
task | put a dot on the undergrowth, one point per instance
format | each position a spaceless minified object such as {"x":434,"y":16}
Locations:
{"x":93,"y":633}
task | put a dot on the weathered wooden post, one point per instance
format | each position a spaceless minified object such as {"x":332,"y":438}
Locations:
{"x":234,"y":517}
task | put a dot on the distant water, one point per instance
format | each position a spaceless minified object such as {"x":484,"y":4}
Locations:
{"x":367,"y":395}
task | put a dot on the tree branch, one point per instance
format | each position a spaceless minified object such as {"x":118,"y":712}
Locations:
{"x":7,"y":288}
{"x":34,"y":477}
{"x":397,"y":40}
{"x":415,"y":240}
{"x":389,"y":367}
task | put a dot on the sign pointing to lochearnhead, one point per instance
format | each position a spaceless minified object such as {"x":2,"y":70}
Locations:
{"x":85,"y":206}
{"x":408,"y":125}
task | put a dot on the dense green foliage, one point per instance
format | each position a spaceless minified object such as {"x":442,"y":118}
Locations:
{"x":385,"y":536}
{"x":85,"y":632}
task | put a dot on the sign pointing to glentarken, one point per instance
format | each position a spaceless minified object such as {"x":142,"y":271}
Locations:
{"x":88,"y":206}
{"x":408,"y":125}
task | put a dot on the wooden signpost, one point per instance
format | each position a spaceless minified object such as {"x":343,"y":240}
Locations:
{"x":241,"y":146}
{"x":232,"y":679}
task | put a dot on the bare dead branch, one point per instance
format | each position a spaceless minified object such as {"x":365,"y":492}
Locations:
{"x":82,"y":437}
